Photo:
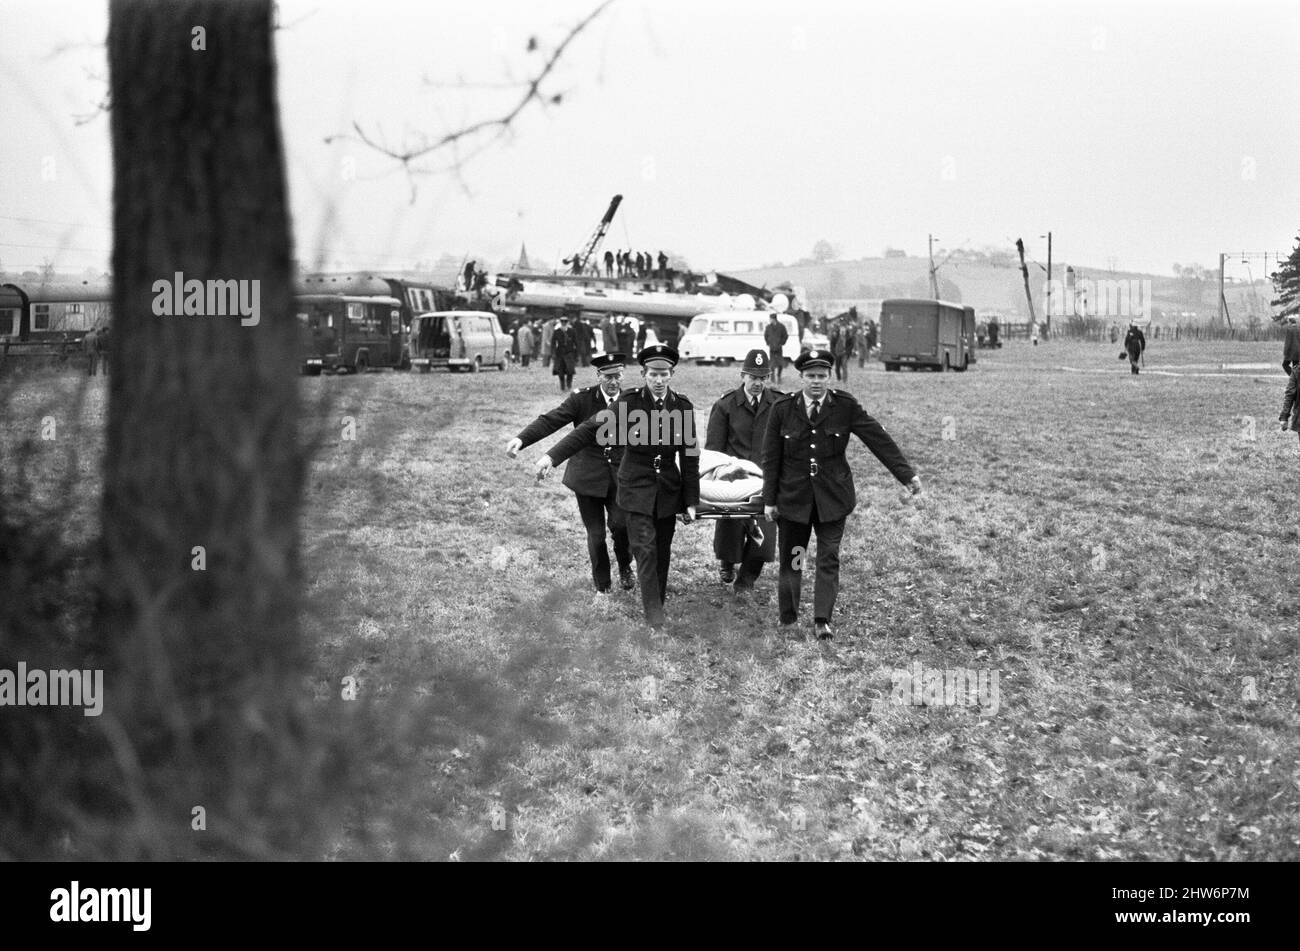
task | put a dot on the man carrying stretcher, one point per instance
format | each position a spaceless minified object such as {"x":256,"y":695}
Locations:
{"x":737,"y":425}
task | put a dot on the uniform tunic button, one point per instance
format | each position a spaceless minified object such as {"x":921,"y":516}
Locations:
{"x":812,"y":445}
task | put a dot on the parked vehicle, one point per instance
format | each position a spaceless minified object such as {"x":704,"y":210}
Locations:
{"x":458,"y":340}
{"x":349,"y":324}
{"x":926,"y":333}
{"x":726,"y":337}
{"x":812,"y":340}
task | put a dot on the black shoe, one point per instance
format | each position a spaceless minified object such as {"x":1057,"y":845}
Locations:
{"x":626,"y":579}
{"x":727,"y":572}
{"x":603,"y":588}
{"x":823,"y":629}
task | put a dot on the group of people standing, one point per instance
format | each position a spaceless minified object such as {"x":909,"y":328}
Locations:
{"x":636,"y":481}
{"x":635,"y":264}
{"x":619,"y":335}
{"x":568,"y":342}
{"x":564,"y":344}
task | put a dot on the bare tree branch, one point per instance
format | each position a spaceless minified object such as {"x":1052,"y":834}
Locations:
{"x":498,"y":127}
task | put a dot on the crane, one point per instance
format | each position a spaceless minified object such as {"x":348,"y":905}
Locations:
{"x":579,"y":260}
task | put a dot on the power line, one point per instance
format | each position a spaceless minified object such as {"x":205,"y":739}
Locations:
{"x":49,"y":221}
{"x":55,"y":247}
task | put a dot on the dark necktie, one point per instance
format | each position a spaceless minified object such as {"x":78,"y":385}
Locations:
{"x":812,"y":417}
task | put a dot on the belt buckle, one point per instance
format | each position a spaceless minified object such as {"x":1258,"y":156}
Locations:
{"x":812,"y":467}
{"x":658,"y":457}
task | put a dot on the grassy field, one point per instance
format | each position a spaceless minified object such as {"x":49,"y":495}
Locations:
{"x":1115,"y":549}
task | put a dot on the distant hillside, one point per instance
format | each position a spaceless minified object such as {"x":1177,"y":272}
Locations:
{"x":998,"y":286}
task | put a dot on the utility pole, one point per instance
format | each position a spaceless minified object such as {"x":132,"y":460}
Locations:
{"x":1047,"y":325}
{"x":934,"y":280}
{"x":1029,"y":297}
{"x":1223,"y":303}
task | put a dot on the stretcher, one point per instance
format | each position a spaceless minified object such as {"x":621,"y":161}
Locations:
{"x":731,"y":488}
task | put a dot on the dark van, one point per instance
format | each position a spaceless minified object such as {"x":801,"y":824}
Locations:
{"x":933,"y":334}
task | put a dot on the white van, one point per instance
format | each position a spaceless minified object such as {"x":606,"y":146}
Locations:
{"x":458,"y":340}
{"x":726,"y":337}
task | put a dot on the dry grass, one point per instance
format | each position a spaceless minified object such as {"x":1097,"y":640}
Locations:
{"x":1115,"y":548}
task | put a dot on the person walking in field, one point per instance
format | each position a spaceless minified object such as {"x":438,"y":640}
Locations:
{"x":1135,"y":343}
{"x":1290,"y":417}
{"x":90,"y":346}
{"x":564,"y":350}
{"x":608,"y":334}
{"x":525,"y":343}
{"x":737,"y":426}
{"x":775,"y":336}
{"x":591,"y":473}
{"x":1291,"y":345}
{"x":626,"y":336}
{"x":659,"y":477}
{"x":548,"y":331}
{"x":808,"y":485}
{"x":842,"y":349}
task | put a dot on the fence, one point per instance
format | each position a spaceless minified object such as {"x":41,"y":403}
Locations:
{"x":1100,"y":332}
{"x":31,"y":354}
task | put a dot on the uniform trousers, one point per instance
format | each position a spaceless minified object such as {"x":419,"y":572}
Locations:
{"x":593,"y":509}
{"x":652,"y":542}
{"x":733,"y":543}
{"x":790,"y":581}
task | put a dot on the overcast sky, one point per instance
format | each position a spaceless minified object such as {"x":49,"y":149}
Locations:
{"x":738,"y":133}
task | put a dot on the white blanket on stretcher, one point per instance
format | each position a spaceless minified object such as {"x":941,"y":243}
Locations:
{"x":725,"y":478}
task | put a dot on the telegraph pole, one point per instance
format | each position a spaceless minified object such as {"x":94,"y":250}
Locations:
{"x":1223,"y":301}
{"x":934,"y":280}
{"x":1047,"y":325}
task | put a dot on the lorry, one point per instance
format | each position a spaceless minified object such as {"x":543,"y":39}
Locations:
{"x":935,"y":334}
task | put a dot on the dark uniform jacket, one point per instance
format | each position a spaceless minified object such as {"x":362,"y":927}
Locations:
{"x":736,"y":429}
{"x":1291,"y":401}
{"x":803,"y":463}
{"x":658,"y":492}
{"x":1291,"y":344}
{"x":775,"y":334}
{"x":590,"y":471}
{"x":564,"y":350}
{"x":1135,"y":342}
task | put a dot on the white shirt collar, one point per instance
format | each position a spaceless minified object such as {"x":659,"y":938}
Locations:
{"x":807,"y":403}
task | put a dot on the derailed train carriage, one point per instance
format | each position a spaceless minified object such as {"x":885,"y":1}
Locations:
{"x":53,"y":312}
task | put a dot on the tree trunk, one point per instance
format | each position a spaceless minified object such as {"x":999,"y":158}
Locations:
{"x":202,"y":448}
